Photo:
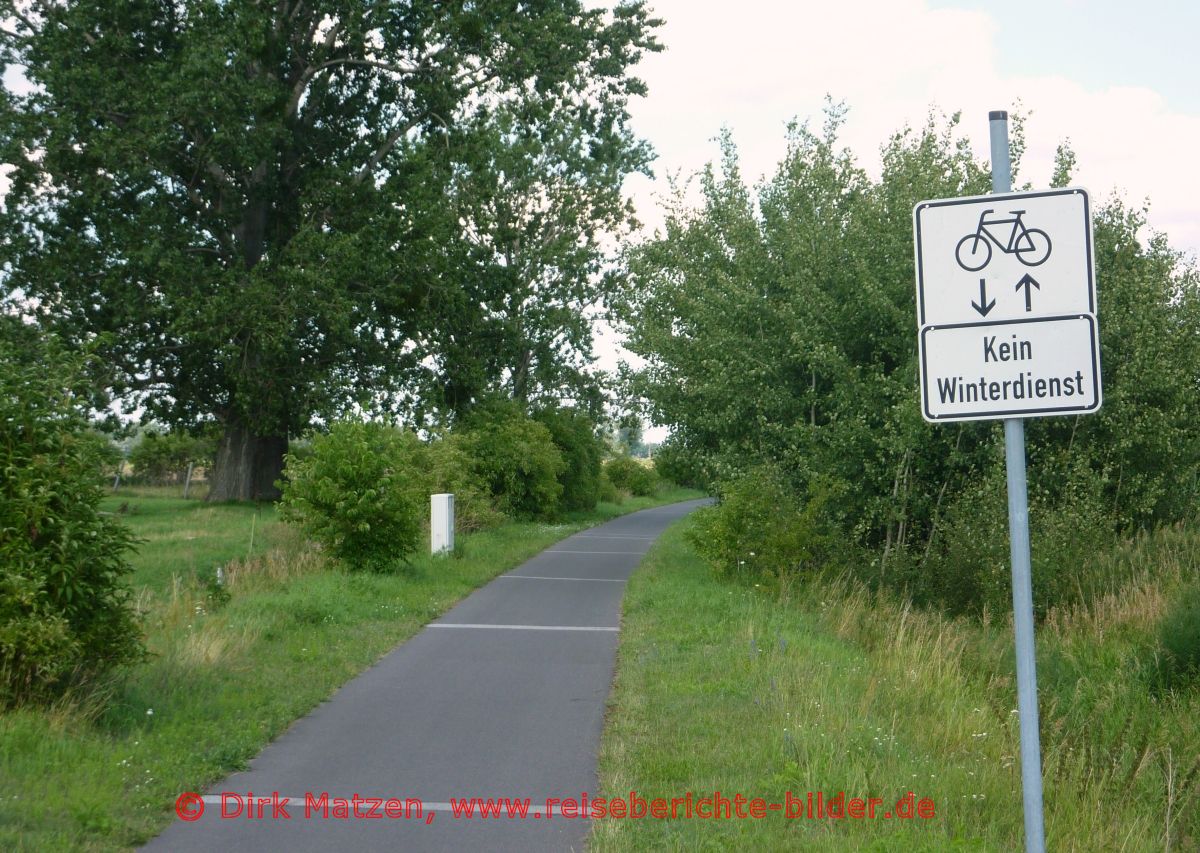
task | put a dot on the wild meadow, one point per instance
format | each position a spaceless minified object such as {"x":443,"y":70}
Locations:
{"x":760,"y":689}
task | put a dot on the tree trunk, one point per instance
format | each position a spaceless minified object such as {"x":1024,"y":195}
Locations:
{"x":247,"y":465}
{"x":520,"y":377}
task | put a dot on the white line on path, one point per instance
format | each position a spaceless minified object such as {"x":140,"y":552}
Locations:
{"x":626,"y":553}
{"x":608,"y":536}
{"x":540,"y":578}
{"x":517,"y":627}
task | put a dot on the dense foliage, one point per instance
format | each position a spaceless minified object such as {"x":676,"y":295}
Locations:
{"x":64,"y":612}
{"x":266,"y":213}
{"x":163,"y":457}
{"x":448,"y":467}
{"x":574,"y":434}
{"x":673,"y":462}
{"x":779,"y":326}
{"x":761,"y":526}
{"x":360,"y":491}
{"x":629,"y":475}
{"x":516,"y":460}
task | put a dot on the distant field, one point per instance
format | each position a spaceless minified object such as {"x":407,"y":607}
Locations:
{"x":187,"y":538}
{"x":743,"y":690}
{"x":102,"y":772}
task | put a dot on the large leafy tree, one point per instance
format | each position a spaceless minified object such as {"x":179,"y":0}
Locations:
{"x":538,"y":209}
{"x":256,"y":209}
{"x":778,"y":326}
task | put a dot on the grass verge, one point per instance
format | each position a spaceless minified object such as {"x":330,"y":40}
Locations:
{"x":230,"y":670}
{"x":729,"y":687}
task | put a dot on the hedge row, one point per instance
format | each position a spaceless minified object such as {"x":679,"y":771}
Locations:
{"x":362,"y":489}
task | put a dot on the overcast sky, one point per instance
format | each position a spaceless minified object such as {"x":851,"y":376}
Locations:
{"x":1119,"y":80}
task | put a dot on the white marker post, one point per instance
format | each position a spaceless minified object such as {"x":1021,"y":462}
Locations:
{"x":441,"y":523}
{"x":1022,"y":577}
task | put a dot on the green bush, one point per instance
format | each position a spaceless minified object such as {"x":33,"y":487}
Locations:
{"x":608,"y":492}
{"x":515,"y":458}
{"x":969,"y":566}
{"x":449,"y":467}
{"x":64,"y":612}
{"x":108,"y":453}
{"x":631,"y":476}
{"x":574,"y":434}
{"x":646,"y":481}
{"x":161,"y":458}
{"x":360,"y":491}
{"x":1179,"y":641}
{"x":673,"y":461}
{"x":760,"y":527}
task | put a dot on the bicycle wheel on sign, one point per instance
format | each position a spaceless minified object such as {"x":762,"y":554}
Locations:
{"x":1033,"y":247}
{"x":973,"y":252}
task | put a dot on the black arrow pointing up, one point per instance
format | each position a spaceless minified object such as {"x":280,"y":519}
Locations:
{"x":1028,"y":282}
{"x":983,"y":306}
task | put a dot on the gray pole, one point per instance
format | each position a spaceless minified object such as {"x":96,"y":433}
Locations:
{"x":1018,"y":536}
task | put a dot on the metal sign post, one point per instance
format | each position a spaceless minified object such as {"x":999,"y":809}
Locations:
{"x":1022,"y":580}
{"x":1007,"y":330}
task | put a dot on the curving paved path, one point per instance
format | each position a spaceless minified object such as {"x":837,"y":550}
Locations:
{"x":503,"y":696}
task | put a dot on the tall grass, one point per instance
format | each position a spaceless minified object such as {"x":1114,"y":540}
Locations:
{"x":832,"y":687}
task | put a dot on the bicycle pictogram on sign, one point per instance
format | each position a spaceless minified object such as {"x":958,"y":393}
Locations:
{"x":1030,"y":245}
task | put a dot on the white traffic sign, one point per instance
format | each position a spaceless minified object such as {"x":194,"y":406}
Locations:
{"x":1006,"y":306}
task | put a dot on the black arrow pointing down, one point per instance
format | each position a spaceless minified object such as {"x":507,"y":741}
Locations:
{"x":983,"y":306}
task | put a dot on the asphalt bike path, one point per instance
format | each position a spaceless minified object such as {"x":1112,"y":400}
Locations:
{"x":501,"y":697}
